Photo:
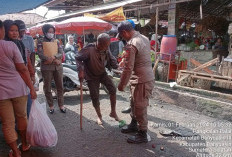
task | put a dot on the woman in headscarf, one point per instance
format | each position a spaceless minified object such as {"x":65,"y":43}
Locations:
{"x":50,"y":53}
{"x":71,"y":45}
{"x":14,"y":79}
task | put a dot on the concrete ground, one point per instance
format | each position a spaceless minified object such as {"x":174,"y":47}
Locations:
{"x":199,"y":135}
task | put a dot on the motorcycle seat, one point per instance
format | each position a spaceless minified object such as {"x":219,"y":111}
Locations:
{"x":73,"y":67}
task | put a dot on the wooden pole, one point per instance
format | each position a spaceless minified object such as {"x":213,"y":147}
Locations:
{"x":81,"y":103}
{"x":156,"y":39}
{"x":156,"y":28}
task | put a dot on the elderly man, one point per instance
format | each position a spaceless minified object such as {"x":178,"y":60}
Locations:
{"x":91,"y":63}
{"x":137,"y":71}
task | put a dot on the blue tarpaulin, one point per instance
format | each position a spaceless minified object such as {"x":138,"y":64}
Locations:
{"x":14,"y":6}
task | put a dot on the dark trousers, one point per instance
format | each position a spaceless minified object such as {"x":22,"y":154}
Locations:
{"x":139,"y":100}
{"x":94,"y":85}
{"x":48,"y":76}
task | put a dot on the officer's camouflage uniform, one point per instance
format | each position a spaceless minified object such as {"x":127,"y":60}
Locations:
{"x":50,"y":72}
{"x":138,"y":71}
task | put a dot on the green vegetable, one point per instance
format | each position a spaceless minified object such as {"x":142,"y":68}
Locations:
{"x":122,"y":123}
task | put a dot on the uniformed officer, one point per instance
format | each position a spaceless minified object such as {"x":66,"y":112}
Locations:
{"x":50,"y":53}
{"x":138,"y":72}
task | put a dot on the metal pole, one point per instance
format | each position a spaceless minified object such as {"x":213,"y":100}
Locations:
{"x":201,"y":15}
{"x":84,"y":35}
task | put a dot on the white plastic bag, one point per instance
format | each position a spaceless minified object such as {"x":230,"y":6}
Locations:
{"x":36,"y":85}
{"x":40,"y":130}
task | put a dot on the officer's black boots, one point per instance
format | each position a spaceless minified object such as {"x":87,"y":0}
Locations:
{"x":140,"y":137}
{"x":126,"y":110}
{"x":132,"y":127}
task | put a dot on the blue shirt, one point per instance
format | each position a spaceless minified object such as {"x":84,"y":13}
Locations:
{"x":28,"y":43}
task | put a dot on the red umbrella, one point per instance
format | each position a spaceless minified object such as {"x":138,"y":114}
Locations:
{"x":82,"y":25}
{"x":38,"y":28}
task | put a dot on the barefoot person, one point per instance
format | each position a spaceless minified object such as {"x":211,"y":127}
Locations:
{"x":91,"y":63}
{"x":138,"y":71}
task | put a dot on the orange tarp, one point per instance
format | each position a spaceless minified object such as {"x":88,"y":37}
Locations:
{"x":114,"y":16}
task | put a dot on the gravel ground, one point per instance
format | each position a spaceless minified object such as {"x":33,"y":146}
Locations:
{"x":200,"y":135}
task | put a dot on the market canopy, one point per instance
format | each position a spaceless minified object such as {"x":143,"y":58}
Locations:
{"x":15,"y":6}
{"x":81,"y":25}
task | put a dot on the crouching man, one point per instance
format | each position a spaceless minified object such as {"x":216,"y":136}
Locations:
{"x":91,"y":63}
{"x":138,"y":72}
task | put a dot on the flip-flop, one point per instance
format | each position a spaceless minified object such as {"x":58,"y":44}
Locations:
{"x":24,"y":149}
{"x":27,"y":148}
{"x":11,"y":153}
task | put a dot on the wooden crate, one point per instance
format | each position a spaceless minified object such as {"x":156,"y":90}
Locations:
{"x":207,"y":77}
{"x":225,"y":70}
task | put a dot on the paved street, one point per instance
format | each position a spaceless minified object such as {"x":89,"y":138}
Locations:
{"x":200,"y":135}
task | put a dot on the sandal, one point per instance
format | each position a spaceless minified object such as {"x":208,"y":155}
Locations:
{"x":27,"y":148}
{"x":11,"y":154}
{"x":24,"y":149}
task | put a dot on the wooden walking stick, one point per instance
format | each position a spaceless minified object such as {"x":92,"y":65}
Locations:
{"x":81,"y":102}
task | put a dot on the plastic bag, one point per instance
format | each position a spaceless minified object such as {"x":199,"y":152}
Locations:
{"x":40,"y":130}
{"x":36,"y":85}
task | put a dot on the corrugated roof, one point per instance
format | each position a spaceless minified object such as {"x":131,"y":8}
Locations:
{"x":88,"y":9}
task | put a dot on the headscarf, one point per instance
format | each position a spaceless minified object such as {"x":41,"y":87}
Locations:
{"x":19,"y":43}
{"x":45,"y":29}
{"x":70,"y":36}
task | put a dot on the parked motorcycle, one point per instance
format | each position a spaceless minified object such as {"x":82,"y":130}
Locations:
{"x":70,"y":75}
{"x":70,"y":57}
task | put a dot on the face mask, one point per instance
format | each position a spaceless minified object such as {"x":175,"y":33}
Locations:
{"x":49,"y":35}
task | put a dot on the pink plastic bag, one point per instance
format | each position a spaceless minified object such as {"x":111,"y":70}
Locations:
{"x":40,"y":130}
